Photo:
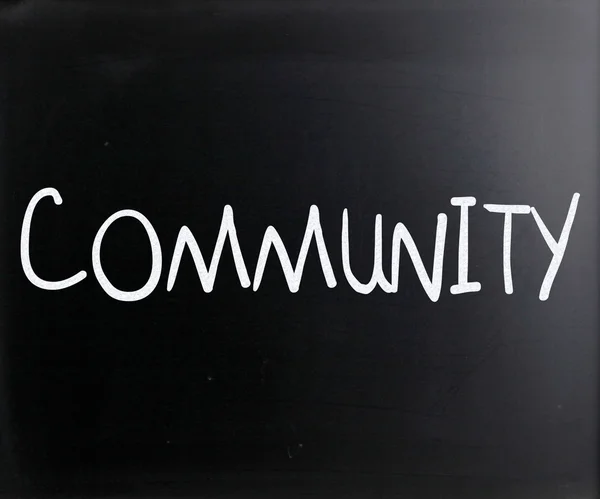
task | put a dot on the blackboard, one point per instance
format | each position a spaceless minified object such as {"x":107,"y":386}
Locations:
{"x":315,"y":124}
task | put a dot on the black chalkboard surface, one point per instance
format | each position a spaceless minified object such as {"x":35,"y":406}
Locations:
{"x":358,"y":255}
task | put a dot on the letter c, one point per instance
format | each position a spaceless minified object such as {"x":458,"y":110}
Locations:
{"x":26,"y":261}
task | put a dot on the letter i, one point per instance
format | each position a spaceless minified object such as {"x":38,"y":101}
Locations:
{"x":464,"y":286}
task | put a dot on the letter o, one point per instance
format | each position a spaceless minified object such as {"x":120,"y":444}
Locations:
{"x":110,"y":290}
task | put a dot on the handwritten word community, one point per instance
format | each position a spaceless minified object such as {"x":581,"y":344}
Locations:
{"x":293,"y":275}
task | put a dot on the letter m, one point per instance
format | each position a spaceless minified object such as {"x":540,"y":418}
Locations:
{"x":294,"y":276}
{"x":207,"y":276}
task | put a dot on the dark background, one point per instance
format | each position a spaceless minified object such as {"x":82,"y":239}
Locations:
{"x":380,"y":107}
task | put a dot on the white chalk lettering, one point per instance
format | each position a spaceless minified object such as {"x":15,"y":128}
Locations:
{"x":25,"y":258}
{"x":401,"y":234}
{"x":431,"y":282}
{"x":107,"y":286}
{"x":464,"y":286}
{"x":207,"y":276}
{"x":377,"y":276}
{"x":509,"y":210}
{"x":558,"y":248}
{"x":294,"y":276}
